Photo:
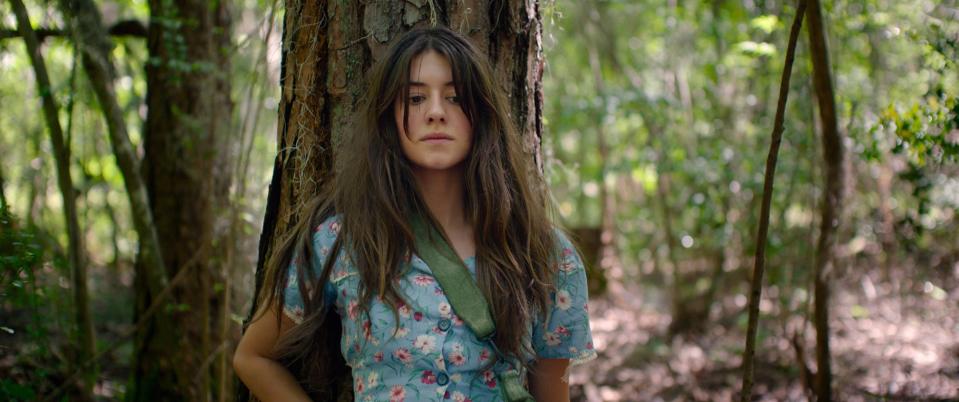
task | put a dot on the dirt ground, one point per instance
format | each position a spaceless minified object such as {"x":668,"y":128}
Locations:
{"x":886,"y":346}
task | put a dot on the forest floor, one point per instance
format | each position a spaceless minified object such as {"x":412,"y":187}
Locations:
{"x":885,"y":345}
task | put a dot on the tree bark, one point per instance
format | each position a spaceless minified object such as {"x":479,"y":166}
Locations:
{"x":329,"y":47}
{"x":188,"y":123}
{"x":757,"y":280}
{"x":832,"y":196}
{"x":86,"y":343}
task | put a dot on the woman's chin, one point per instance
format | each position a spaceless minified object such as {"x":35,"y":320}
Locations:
{"x":439,"y":165}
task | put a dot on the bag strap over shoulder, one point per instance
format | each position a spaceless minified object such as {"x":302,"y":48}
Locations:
{"x":450,"y":271}
{"x":465,"y":297}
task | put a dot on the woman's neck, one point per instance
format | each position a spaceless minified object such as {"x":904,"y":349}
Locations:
{"x":442,"y":190}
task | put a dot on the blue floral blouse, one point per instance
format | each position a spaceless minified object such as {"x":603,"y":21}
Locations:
{"x":434,"y":356}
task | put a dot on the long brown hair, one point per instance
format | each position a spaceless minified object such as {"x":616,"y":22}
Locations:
{"x":374,"y":193}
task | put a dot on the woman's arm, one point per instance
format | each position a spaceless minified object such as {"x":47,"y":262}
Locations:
{"x":253,"y":361}
{"x":548,"y":382}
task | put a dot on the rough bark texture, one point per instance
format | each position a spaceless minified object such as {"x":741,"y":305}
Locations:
{"x":832,"y":196}
{"x":756,"y":288}
{"x":84,"y":338}
{"x":328,"y":46}
{"x":189,"y":113}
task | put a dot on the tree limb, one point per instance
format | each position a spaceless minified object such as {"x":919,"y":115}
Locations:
{"x":131,"y":28}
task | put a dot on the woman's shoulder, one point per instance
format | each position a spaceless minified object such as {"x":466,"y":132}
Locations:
{"x":568,"y":259}
{"x":324,"y":238}
{"x":327,"y":231}
{"x":564,"y":244}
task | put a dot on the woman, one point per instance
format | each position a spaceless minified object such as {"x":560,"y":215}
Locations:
{"x":434,"y":141}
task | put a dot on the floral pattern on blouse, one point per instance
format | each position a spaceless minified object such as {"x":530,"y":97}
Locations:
{"x":431,"y":355}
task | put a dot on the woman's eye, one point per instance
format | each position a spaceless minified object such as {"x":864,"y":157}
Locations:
{"x":454,"y":99}
{"x":416,"y":99}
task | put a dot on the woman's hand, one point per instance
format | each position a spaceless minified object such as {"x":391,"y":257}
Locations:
{"x":253,"y":360}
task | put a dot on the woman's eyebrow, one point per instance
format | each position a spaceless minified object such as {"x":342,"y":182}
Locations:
{"x":420,"y":84}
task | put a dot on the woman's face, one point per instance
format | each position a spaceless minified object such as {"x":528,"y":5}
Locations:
{"x":440,"y":135}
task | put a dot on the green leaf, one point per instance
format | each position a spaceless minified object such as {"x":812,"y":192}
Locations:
{"x":765,"y":23}
{"x":756,"y":48}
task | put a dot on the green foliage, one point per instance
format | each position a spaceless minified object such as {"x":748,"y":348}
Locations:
{"x":926,"y":130}
{"x":11,"y":391}
{"x":20,"y":255}
{"x":29,"y":305}
{"x":685,"y":94}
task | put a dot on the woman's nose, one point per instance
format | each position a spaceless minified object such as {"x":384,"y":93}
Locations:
{"x":435,"y":111}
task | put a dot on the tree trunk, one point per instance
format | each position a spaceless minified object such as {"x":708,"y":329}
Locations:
{"x":328,"y":48}
{"x":610,"y":264}
{"x":95,"y":47}
{"x":832,"y":196}
{"x":756,"y":288}
{"x":884,"y":182}
{"x":3,"y":196}
{"x":84,"y":337}
{"x":188,"y":123}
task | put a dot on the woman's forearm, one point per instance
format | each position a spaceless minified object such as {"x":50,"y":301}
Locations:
{"x":548,"y":382}
{"x":268,"y":380}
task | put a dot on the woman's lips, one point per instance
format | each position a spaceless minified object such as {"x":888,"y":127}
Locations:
{"x":436,"y":138}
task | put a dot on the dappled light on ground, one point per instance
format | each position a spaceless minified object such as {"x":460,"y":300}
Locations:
{"x":901,"y":346}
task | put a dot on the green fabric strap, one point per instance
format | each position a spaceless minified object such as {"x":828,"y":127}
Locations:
{"x":465,"y":297}
{"x":450,"y":271}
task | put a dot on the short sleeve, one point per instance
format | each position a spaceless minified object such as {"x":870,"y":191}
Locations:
{"x":565,"y":333}
{"x":323,"y":238}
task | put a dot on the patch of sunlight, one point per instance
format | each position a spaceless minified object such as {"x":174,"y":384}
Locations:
{"x":798,"y":216}
{"x":590,"y":189}
{"x":934,"y":291}
{"x":646,"y":176}
{"x":756,"y":48}
{"x":765,"y":23}
{"x":566,"y":208}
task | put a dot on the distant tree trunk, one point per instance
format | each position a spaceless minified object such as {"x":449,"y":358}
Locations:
{"x":887,"y":224}
{"x":3,"y":196}
{"x":94,"y":45}
{"x":832,"y":196}
{"x":756,"y":287}
{"x":84,"y":337}
{"x":329,"y":47}
{"x":188,"y":122}
{"x":37,"y":181}
{"x":609,"y":264}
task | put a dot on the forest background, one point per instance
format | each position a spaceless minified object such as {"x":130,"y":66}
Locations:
{"x":139,"y":150}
